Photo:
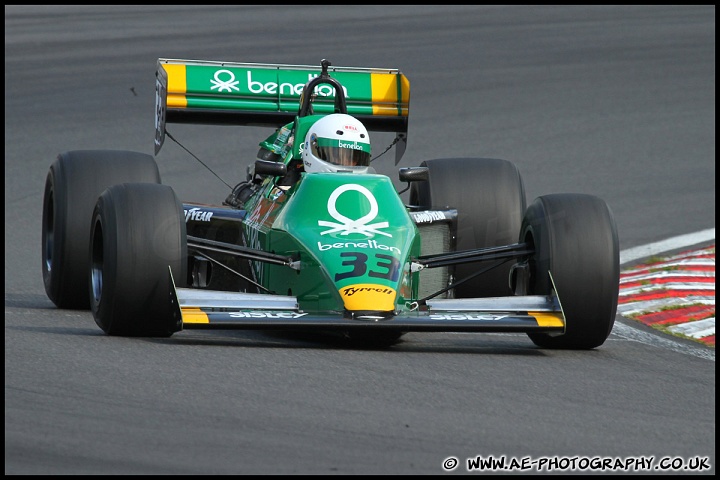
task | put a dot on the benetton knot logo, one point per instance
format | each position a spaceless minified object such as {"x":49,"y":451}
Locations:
{"x":225,"y":85}
{"x":346,"y":225}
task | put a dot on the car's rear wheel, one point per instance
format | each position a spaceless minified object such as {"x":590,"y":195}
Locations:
{"x":489,"y":196}
{"x":74,"y":182}
{"x":138,"y":237}
{"x":575,"y":239}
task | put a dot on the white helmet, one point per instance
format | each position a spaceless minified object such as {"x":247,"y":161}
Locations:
{"x":337,"y":143}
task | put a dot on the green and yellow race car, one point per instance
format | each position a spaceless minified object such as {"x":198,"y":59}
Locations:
{"x":314,"y":238}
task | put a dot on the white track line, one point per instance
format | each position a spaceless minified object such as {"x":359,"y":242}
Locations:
{"x":673,"y":243}
{"x":628,"y":332}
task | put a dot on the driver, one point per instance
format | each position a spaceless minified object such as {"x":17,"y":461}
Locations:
{"x":337,"y":143}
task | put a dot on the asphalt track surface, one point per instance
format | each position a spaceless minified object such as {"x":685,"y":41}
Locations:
{"x":614,"y":101}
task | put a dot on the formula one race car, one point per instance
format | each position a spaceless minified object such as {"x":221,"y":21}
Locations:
{"x":315,"y":239}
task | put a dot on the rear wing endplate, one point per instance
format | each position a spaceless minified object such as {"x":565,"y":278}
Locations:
{"x":258,"y":94}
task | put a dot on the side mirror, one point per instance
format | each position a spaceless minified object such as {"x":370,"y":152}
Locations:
{"x":266,"y":167}
{"x":414,"y":174}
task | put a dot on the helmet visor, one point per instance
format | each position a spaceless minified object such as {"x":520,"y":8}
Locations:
{"x":341,"y":152}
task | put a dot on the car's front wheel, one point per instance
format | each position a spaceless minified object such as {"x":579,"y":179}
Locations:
{"x":138,"y":237}
{"x":575,"y":240}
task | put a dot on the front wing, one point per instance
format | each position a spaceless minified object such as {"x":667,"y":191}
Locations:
{"x":205,"y":309}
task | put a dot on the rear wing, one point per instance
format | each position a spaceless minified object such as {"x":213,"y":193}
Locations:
{"x":258,"y":94}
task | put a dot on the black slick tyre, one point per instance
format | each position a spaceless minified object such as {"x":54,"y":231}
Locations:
{"x":73,"y":184}
{"x":138,"y":237}
{"x":489,"y":196}
{"x":575,"y":239}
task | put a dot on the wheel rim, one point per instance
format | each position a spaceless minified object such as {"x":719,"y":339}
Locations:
{"x":96,"y":263}
{"x":49,"y":231}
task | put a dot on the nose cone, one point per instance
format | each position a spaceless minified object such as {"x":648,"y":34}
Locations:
{"x":368,"y":296}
